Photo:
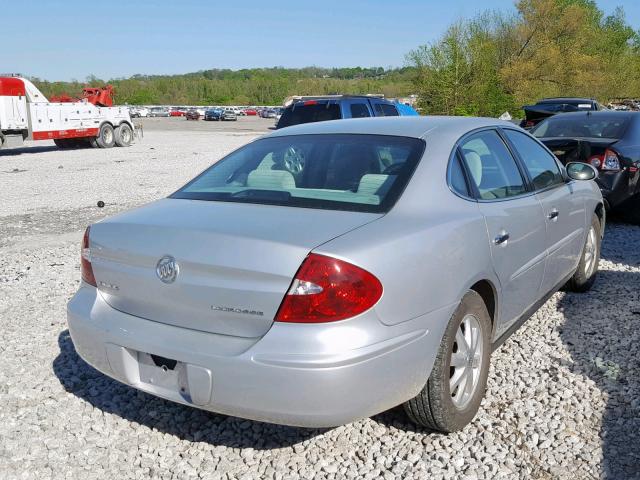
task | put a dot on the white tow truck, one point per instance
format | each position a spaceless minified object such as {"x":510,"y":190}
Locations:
{"x":26,"y":114}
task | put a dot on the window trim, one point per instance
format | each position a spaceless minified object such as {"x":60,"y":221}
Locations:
{"x":516,"y":155}
{"x":457,"y":150}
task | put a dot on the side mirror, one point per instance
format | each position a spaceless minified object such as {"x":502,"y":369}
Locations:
{"x":581,"y":171}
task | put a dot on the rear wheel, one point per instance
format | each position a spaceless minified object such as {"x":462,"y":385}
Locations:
{"x":106,"y":137}
{"x":61,"y":143}
{"x":587,"y":270}
{"x":458,"y":380}
{"x":123,"y":135}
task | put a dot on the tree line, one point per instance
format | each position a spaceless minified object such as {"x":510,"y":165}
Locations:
{"x":257,"y":86}
{"x":497,"y":62}
{"x":486,"y":65}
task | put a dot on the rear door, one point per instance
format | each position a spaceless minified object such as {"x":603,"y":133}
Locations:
{"x":514,"y":220}
{"x":384,"y":109}
{"x":564,"y":211}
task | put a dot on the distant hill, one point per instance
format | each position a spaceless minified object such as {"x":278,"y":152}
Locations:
{"x":256,"y":86}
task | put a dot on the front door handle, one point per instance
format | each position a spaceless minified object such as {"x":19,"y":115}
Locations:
{"x":553,"y":214}
{"x":501,"y":238}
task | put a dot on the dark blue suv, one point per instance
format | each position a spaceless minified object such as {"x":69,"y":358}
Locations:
{"x":335,"y":107}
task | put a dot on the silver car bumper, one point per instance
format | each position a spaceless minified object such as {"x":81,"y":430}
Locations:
{"x":302,"y":375}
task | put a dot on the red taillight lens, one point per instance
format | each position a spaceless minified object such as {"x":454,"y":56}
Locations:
{"x":310,"y":102}
{"x":595,"y":161}
{"x":86,"y":270}
{"x":326,"y":289}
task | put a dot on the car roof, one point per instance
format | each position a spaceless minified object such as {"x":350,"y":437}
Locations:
{"x":413,"y":126}
{"x":591,"y":113}
{"x":566,"y":99}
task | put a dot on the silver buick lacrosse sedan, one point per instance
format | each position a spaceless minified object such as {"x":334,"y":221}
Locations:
{"x":330,"y":271}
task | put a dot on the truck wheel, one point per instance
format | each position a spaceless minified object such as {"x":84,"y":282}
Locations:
{"x":587,"y":270}
{"x":124,"y":135}
{"x":458,"y":380}
{"x":106,"y":137}
{"x":60,"y":143}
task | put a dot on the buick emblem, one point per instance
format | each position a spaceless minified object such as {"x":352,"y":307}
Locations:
{"x":167,"y":269}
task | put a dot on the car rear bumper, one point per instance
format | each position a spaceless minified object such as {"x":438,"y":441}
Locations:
{"x":297,"y":374}
{"x":614,"y":187}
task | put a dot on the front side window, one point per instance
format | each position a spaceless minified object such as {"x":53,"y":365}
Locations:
{"x":333,"y":172}
{"x":540,"y":164}
{"x":492,"y":169}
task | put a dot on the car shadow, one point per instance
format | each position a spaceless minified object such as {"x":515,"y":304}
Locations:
{"x":192,"y":424}
{"x":599,"y":337}
{"x":12,"y":152}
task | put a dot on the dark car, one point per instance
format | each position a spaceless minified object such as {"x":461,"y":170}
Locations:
{"x":608,"y":140}
{"x":547,"y":107}
{"x":335,"y":107}
{"x":213,"y":114}
{"x":192,"y":114}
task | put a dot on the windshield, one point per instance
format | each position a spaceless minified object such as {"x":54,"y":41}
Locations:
{"x":333,"y":172}
{"x":588,"y":126}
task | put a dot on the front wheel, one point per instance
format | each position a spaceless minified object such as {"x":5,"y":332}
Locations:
{"x":452,"y":395}
{"x":585,"y":275}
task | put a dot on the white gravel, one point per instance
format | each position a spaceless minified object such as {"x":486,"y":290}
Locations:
{"x":563,"y":398}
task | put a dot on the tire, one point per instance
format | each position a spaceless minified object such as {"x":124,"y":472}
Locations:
{"x":106,"y":137}
{"x":435,"y":407}
{"x":123,"y":135}
{"x":585,"y":275}
{"x":61,"y":143}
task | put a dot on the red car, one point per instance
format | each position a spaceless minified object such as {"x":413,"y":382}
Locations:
{"x":250,"y":111}
{"x":176,"y":113}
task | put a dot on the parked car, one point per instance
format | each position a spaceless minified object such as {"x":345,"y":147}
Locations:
{"x":269,"y":113}
{"x":608,"y":140}
{"x":138,"y":112}
{"x":548,"y":107}
{"x":250,"y":112}
{"x":213,"y":114}
{"x":177,"y":112}
{"x":192,"y":114}
{"x":158,"y":112}
{"x":229,"y":114}
{"x":334,"y":107}
{"x":338,"y":313}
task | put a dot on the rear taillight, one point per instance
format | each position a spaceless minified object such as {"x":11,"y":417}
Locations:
{"x":326,"y":289}
{"x":529,"y":124}
{"x":610,"y":161}
{"x":86,"y":270}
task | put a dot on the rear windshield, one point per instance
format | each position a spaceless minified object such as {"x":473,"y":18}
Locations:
{"x":365,"y":173}
{"x":317,"y":112}
{"x":589,"y":126}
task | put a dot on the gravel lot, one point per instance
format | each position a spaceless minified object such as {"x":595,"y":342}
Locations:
{"x":564,"y":391}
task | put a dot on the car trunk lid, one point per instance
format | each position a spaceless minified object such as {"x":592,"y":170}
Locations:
{"x":235,"y":260}
{"x":577,"y":149}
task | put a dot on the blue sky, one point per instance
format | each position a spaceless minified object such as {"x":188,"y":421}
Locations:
{"x":65,"y":39}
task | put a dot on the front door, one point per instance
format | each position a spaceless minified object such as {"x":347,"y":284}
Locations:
{"x":564,"y":211}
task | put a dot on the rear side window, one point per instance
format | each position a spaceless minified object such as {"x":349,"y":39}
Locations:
{"x":315,"y":112}
{"x":540,"y":164}
{"x":359,"y":110}
{"x":334,"y":172}
{"x":456,"y":177}
{"x":493,"y":170}
{"x":385,"y":110}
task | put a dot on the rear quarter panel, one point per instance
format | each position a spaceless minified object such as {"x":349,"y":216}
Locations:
{"x":425,"y":259}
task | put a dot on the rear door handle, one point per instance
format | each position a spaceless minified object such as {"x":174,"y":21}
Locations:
{"x":501,"y":238}
{"x":553,"y":214}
